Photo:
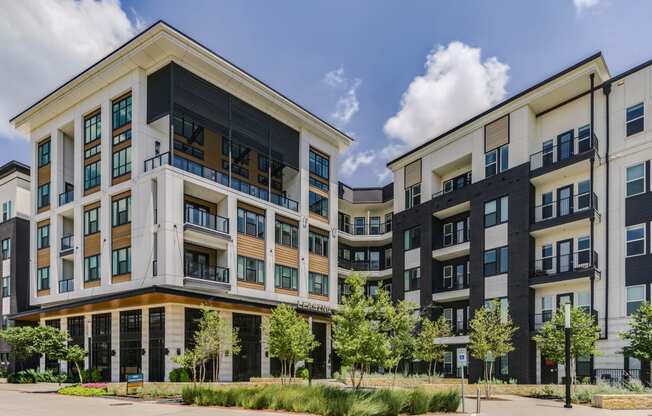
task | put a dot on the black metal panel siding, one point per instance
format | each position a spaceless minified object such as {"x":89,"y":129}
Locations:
{"x":438,"y":272}
{"x":158,"y":93}
{"x":438,"y":228}
{"x":638,"y":210}
{"x":388,"y":192}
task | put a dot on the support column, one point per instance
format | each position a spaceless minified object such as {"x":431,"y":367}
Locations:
{"x":115,"y":346}
{"x":174,"y":333}
{"x":226,"y":365}
{"x":145,"y":343}
{"x":265,"y":364}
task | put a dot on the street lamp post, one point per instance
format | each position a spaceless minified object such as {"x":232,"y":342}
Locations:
{"x":567,"y":333}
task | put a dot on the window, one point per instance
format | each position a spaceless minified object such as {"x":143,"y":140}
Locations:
{"x":121,"y":211}
{"x":43,"y":278}
{"x":448,"y":234}
{"x":318,"y":184}
{"x":121,"y":261}
{"x":44,"y":154}
{"x":448,"y":276}
{"x":412,"y":238}
{"x":122,"y":137}
{"x":318,"y":204}
{"x":359,"y":226}
{"x":635,"y":296}
{"x":388,"y":222}
{"x":318,"y":244}
{"x":460,"y":276}
{"x":496,"y":261}
{"x":43,"y":236}
{"x":6,"y":210}
{"x":251,"y":270}
{"x":412,"y":278}
{"x":584,"y":251}
{"x":43,"y":196}
{"x":318,"y":165}
{"x":6,"y":248}
{"x":92,"y":127}
{"x":318,"y":284}
{"x":286,"y":277}
{"x":91,"y":221}
{"x":92,"y":175}
{"x":6,"y":289}
{"x":122,"y":162}
{"x":92,"y":151}
{"x":374,"y":225}
{"x":635,"y":119}
{"x":584,"y":301}
{"x":287,"y":234}
{"x":121,"y":112}
{"x":635,"y":240}
{"x":496,"y":161}
{"x":251,"y":223}
{"x":448,"y":362}
{"x":546,"y":257}
{"x":547,"y":207}
{"x":496,"y":212}
{"x":583,"y":138}
{"x":92,"y":268}
{"x":636,"y":179}
{"x":388,"y":258}
{"x":546,"y":308}
{"x":547,"y":154}
{"x":583,"y":195}
{"x":188,"y":128}
{"x":412,"y":196}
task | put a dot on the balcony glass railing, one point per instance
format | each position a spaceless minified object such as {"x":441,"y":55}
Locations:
{"x":565,"y":206}
{"x":223,"y":179}
{"x":365,"y":228}
{"x":201,"y":218}
{"x":562,"y":151}
{"x":67,"y":242}
{"x":201,"y":271}
{"x":66,"y":285}
{"x":565,"y":263}
{"x":66,"y":197}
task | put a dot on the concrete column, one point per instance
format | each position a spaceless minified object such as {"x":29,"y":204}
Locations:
{"x":105,"y":164}
{"x":105,"y":240}
{"x":265,"y":364}
{"x":115,"y":346}
{"x":88,"y":333}
{"x":269,"y":251}
{"x":226,"y":364}
{"x":232,"y":254}
{"x":63,"y":365}
{"x":174,"y":333}
{"x":145,"y":343}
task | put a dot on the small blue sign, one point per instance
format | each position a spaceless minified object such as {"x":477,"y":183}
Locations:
{"x":135,"y":378}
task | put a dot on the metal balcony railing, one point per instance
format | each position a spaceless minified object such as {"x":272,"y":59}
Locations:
{"x":566,"y":263}
{"x":66,"y":285}
{"x":616,"y":376}
{"x":201,"y":218}
{"x":66,"y":197}
{"x":455,"y":283}
{"x":363,"y":266}
{"x":67,"y":242}
{"x":453,"y":185}
{"x":553,"y":154}
{"x":566,"y":206}
{"x":365,"y":228}
{"x":455,"y":238}
{"x":196,"y":270}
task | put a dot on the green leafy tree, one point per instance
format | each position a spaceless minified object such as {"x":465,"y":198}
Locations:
{"x":289,"y":338}
{"x":427,"y":349}
{"x":21,"y":341}
{"x":639,"y":335}
{"x":490,"y":336}
{"x":212,"y":338}
{"x":584,"y":333}
{"x":75,"y":354}
{"x":191,"y":360}
{"x":26,"y":341}
{"x":357,"y":338}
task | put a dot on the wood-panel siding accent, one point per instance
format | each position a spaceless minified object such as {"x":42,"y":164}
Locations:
{"x":91,"y":190}
{"x":121,"y":178}
{"x":92,"y":244}
{"x":122,"y":129}
{"x":317,"y":264}
{"x":92,"y":284}
{"x":210,"y":206}
{"x":318,"y":217}
{"x":121,"y":278}
{"x":251,"y":208}
{"x":43,"y":257}
{"x":319,"y":231}
{"x":42,"y":223}
{"x":250,"y":285}
{"x":95,"y":158}
{"x":319,"y":191}
{"x":43,"y":174}
{"x":92,"y":205}
{"x":251,"y":247}
{"x":121,"y":236}
{"x":120,"y":195}
{"x":120,"y":146}
{"x":43,"y":292}
{"x":93,"y":144}
{"x":318,"y":297}
{"x":287,"y":256}
{"x":412,"y":173}
{"x":286,"y":291}
{"x":496,"y":133}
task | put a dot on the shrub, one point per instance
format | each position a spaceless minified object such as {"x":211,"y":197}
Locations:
{"x":180,"y":375}
{"x":83,"y":391}
{"x":444,"y":401}
{"x":417,"y":402}
{"x":31,"y":376}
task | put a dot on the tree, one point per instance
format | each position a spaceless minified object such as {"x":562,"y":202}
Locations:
{"x":21,"y":341}
{"x":399,"y":322}
{"x":427,"y":349}
{"x":190,"y":359}
{"x":75,"y":354}
{"x":26,"y":341}
{"x":357,"y":338}
{"x":491,"y":333}
{"x":289,"y":338}
{"x":212,"y":338}
{"x":584,"y":334}
{"x":639,"y":335}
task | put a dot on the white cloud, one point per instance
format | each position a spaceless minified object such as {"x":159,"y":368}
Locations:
{"x":383,"y":176}
{"x":456,"y":85}
{"x":335,"y":78}
{"x":347,"y":105}
{"x":46,"y":43}
{"x":582,"y":5}
{"x":354,"y":161}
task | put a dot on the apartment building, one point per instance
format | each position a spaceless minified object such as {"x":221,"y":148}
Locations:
{"x":14,"y":242}
{"x":166,"y":178}
{"x":539,"y":201}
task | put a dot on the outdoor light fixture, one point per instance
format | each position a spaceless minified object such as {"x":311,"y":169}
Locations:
{"x":167,"y":351}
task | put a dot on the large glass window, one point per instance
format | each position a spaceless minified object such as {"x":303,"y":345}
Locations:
{"x":121,"y":112}
{"x":496,"y":160}
{"x":448,"y":276}
{"x":121,"y":211}
{"x":496,"y":212}
{"x":635,"y":119}
{"x":546,"y":257}
{"x":6,"y":248}
{"x":584,"y":194}
{"x":251,"y":223}
{"x":546,"y":308}
{"x":318,"y":244}
{"x":122,"y":137}
{"x":412,"y":278}
{"x":318,"y":204}
{"x":635,"y":179}
{"x":319,"y":165}
{"x":6,"y":210}
{"x":635,"y":240}
{"x":43,"y":154}
{"x":251,"y":270}
{"x":121,"y":261}
{"x":286,"y":234}
{"x":122,"y":162}
{"x":412,"y":196}
{"x":43,"y":278}
{"x":91,"y":221}
{"x":92,"y":175}
{"x":496,"y":261}
{"x":6,"y":287}
{"x":43,"y":196}
{"x":92,"y":268}
{"x":92,"y":127}
{"x":43,"y":236}
{"x":188,"y":128}
{"x":318,"y":284}
{"x":286,"y":277}
{"x":412,"y":238}
{"x":635,"y":296}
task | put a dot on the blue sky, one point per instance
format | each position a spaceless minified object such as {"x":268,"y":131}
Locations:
{"x":373,"y":52}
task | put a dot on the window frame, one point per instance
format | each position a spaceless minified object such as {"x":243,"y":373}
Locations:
{"x":447,"y":274}
{"x":318,"y":244}
{"x":412,"y":238}
{"x":6,"y":251}
{"x":243,"y":268}
{"x":281,"y":275}
{"x":91,"y":182}
{"x":280,"y":234}
{"x":318,"y":204}
{"x":639,"y":301}
{"x":317,"y":162}
{"x":413,"y":196}
{"x":117,"y":261}
{"x":629,"y":122}
{"x":323,"y":284}
{"x":40,"y":237}
{"x":43,"y":155}
{"x":88,"y":276}
{"x":500,"y":162}
{"x":499,"y":261}
{"x":88,"y":222}
{"x":123,"y":166}
{"x":41,"y":201}
{"x":92,"y":123}
{"x":643,"y":178}
{"x":244,"y":223}
{"x":410,"y":276}
{"x":40,"y":279}
{"x":116,"y":211}
{"x":643,"y":238}
{"x":121,"y":112}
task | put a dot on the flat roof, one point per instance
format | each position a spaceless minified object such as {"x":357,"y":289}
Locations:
{"x":13,"y":166}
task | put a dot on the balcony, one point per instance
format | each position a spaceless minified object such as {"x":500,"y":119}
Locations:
{"x":200,"y":218}
{"x":540,"y":319}
{"x":564,"y":211}
{"x":453,"y":289}
{"x":553,"y":157}
{"x":454,"y":184}
{"x":453,"y":245}
{"x":581,"y":264}
{"x":216,"y":274}
{"x":66,"y":197}
{"x":66,"y":285}
{"x":365,"y":229}
{"x":67,"y":245}
{"x":369,"y":268}
{"x":221,"y":178}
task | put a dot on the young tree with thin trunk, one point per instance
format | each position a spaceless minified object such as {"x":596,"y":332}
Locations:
{"x":75,"y":354}
{"x":289,"y":338}
{"x":639,"y":336}
{"x":212,"y":339}
{"x":584,"y":333}
{"x":427,"y":349}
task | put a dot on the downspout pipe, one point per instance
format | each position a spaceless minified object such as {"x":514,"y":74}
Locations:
{"x":606,"y":89}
